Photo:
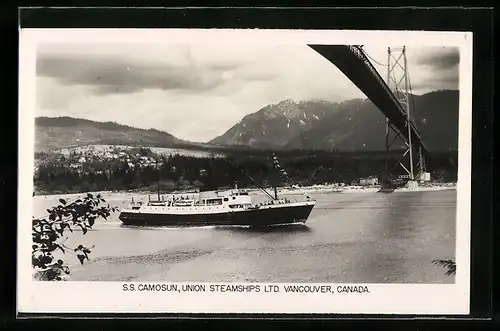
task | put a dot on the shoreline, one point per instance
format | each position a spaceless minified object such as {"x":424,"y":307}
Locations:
{"x":281,"y":190}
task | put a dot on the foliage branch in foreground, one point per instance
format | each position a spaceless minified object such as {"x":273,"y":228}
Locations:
{"x":48,"y":234}
{"x":450,"y":265}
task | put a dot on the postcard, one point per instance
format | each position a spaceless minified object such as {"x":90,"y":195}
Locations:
{"x":244,"y":171}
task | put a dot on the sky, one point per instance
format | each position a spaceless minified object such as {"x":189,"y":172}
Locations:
{"x":198,"y":91}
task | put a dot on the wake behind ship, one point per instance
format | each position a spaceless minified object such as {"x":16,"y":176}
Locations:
{"x":230,"y":207}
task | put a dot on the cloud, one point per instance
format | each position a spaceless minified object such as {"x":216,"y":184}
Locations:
{"x":439,"y":69}
{"x":441,"y":59}
{"x":449,"y":81}
{"x":128,"y":68}
{"x":115,"y":75}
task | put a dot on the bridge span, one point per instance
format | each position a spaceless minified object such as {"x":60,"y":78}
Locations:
{"x":353,"y":62}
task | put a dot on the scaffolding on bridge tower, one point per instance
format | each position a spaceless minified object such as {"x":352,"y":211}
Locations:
{"x":412,"y":160}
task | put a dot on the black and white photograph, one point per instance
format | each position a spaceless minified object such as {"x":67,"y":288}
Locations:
{"x":247,"y":163}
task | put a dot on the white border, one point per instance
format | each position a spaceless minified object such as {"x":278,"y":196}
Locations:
{"x":39,"y":297}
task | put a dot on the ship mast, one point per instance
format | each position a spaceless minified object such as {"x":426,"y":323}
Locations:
{"x":260,"y":186}
{"x":279,"y":171}
{"x":275,"y":197}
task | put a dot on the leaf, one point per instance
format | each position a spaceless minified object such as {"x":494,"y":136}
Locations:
{"x":449,"y":264}
{"x":62,"y":201}
{"x":81,"y":257}
{"x":60,"y":231}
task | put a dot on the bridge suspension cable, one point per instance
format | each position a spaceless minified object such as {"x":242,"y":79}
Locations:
{"x":371,"y":58}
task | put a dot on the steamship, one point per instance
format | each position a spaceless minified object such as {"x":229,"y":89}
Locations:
{"x":229,"y":207}
{"x":219,"y":207}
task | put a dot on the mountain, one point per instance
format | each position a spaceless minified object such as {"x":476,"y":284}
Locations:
{"x":353,"y":125}
{"x":276,"y":125}
{"x":62,"y":132}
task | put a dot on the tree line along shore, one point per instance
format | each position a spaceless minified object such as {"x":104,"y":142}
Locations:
{"x":144,"y":170}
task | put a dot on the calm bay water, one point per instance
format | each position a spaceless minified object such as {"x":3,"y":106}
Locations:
{"x":349,"y":237}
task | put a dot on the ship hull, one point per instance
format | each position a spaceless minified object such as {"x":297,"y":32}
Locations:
{"x":251,"y":217}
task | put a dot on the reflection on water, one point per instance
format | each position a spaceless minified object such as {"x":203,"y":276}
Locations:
{"x":358,"y":237}
{"x":289,"y":228}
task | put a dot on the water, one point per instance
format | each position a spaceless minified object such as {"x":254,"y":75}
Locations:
{"x":349,"y":237}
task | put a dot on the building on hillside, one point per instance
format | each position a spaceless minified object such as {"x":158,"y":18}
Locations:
{"x":425,"y":177}
{"x":369,"y":181}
